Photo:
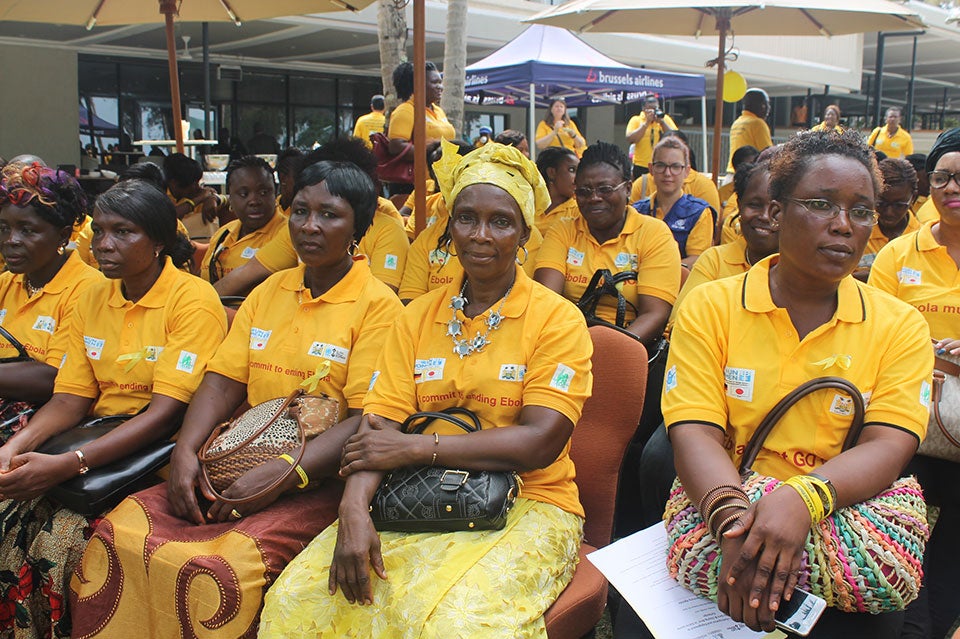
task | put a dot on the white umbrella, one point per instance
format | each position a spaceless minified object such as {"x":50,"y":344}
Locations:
{"x":721,"y":17}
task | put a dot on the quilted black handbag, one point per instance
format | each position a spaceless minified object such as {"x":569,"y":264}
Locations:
{"x":437,"y":499}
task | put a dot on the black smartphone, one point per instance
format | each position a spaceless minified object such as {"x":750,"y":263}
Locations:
{"x":800,"y":614}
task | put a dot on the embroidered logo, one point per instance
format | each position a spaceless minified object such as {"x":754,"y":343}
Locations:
{"x":93,"y":346}
{"x":373,"y":380}
{"x":187,"y":361}
{"x":909,"y":276}
{"x":45,"y":323}
{"x":842,"y":405}
{"x":626,"y":261}
{"x":248,"y":252}
{"x":574,"y":257}
{"x":512,"y":373}
{"x":670,"y":381}
{"x":428,"y":370}
{"x":152,"y":353}
{"x":562,"y":378}
{"x":3,"y":314}
{"x":739,"y":382}
{"x":258,"y":338}
{"x":390,"y":262}
{"x":329,"y":351}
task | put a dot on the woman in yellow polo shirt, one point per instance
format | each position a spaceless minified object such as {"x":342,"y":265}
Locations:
{"x":920,"y":268}
{"x":250,"y":194}
{"x":742,"y":343}
{"x":893,"y":208}
{"x":557,"y":129}
{"x":831,"y":120}
{"x":138,"y":345}
{"x":319,"y":326}
{"x":611,"y":235}
{"x":558,"y":166}
{"x":39,"y":209}
{"x":526,"y":377}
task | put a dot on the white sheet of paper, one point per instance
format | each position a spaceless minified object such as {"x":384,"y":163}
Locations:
{"x":637,"y":568}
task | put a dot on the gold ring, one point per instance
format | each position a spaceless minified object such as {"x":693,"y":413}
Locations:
{"x":234,"y":514}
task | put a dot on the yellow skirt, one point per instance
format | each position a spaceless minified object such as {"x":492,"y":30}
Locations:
{"x":485,"y":584}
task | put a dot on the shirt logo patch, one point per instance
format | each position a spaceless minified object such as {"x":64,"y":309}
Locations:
{"x":574,"y":257}
{"x":842,"y":405}
{"x":670,"y":382}
{"x":373,"y":380}
{"x":562,"y":378}
{"x":45,"y":323}
{"x":438,"y":257}
{"x":512,"y":373}
{"x":258,"y":338}
{"x":428,"y":370}
{"x":909,"y":276}
{"x":93,"y":346}
{"x":187,"y":361}
{"x":925,"y":392}
{"x":390,"y":262}
{"x":248,"y":252}
{"x":626,"y":261}
{"x":739,"y":382}
{"x":329,"y":351}
{"x":3,"y":314}
{"x":152,"y":353}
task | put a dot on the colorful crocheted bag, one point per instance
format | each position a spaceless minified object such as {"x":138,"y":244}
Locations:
{"x":863,"y":558}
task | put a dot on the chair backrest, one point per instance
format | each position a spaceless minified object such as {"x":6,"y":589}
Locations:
{"x":610,"y":418}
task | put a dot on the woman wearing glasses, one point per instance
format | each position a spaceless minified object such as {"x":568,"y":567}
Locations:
{"x":608,"y":234}
{"x":683,"y":213}
{"x":740,"y":344}
{"x":251,"y":197}
{"x":893,"y":209}
{"x":921,"y":269}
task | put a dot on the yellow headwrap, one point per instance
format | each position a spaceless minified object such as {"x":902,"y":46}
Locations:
{"x":496,"y":164}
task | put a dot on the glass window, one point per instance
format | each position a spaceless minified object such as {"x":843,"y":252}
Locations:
{"x":145,"y":81}
{"x":313,"y":91}
{"x":97,"y":77}
{"x":313,"y":125}
{"x":271,"y":117}
{"x":262,"y":88}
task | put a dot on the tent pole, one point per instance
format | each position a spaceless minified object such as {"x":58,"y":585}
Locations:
{"x":723,"y":24}
{"x":532,"y":123}
{"x":703,"y":125}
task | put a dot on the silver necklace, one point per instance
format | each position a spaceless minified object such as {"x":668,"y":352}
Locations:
{"x":31,"y":289}
{"x":464,"y":347}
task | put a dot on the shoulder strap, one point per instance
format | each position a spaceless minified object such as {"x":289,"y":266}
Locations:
{"x":214,"y":254}
{"x":873,"y":137}
{"x":21,"y":350}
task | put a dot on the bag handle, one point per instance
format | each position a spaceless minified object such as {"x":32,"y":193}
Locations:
{"x":777,"y":412}
{"x":21,"y":350}
{"x":448,"y":415}
{"x":204,"y":456}
{"x":595,"y":290}
{"x":941,"y":368}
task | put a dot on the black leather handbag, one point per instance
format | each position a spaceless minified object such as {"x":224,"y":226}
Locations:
{"x":14,"y":413}
{"x":437,"y":499}
{"x":102,"y":488}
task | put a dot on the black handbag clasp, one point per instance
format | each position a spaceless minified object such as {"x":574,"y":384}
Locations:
{"x":452,"y":480}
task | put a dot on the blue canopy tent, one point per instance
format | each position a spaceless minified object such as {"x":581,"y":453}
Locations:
{"x":547,"y":62}
{"x":100,"y":128}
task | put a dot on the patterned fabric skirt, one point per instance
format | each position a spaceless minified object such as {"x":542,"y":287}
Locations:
{"x":486,"y":584}
{"x":147,"y":573}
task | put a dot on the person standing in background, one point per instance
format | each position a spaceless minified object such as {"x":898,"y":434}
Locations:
{"x":892,"y":139}
{"x":751,"y":127}
{"x":372,"y":122}
{"x":644,"y":131}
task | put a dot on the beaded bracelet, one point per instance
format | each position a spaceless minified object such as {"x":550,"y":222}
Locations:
{"x":717,"y":495}
{"x":742,"y":505}
{"x":722,"y":528}
{"x":304,"y":479}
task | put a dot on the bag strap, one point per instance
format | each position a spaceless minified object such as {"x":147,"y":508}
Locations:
{"x":204,"y":456}
{"x":941,"y":368}
{"x":21,"y":351}
{"x":595,"y":290}
{"x":214,"y":254}
{"x":449,"y":415}
{"x":777,"y":412}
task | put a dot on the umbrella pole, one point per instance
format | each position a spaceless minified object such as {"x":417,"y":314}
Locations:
{"x":723,"y":24}
{"x":419,"y":117}
{"x":168,"y":8}
{"x":532,"y":122}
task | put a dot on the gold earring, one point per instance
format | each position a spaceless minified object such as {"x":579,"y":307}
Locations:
{"x":353,"y":248}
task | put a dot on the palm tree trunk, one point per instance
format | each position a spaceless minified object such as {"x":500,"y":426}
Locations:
{"x":455,"y":63}
{"x":392,"y":31}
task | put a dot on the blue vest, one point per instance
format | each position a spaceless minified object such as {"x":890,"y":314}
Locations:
{"x":681,"y":218}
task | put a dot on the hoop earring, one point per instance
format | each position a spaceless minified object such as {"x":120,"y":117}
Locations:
{"x":526,"y":256}
{"x":353,"y":248}
{"x":156,"y":253}
{"x":447,"y":248}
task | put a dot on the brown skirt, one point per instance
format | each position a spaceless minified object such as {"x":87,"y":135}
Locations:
{"x":147,"y":573}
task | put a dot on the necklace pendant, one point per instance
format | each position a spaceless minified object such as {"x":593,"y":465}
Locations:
{"x":458,"y":302}
{"x":478,"y":342}
{"x":453,"y":328}
{"x":462,"y":349}
{"x":493,"y":320}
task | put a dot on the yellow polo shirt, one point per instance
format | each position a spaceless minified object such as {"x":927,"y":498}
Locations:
{"x":645,"y":245}
{"x":429,"y":267}
{"x":919,"y":271}
{"x":701,"y":235}
{"x":234,"y":252}
{"x":120,"y":353}
{"x":696,"y":184}
{"x":384,"y":244}
{"x":730,"y":226}
{"x":878,"y":240}
{"x":80,"y":241}
{"x":734,"y":354}
{"x":895,"y":146}
{"x":436,"y":209}
{"x":918,"y":202}
{"x":282,"y":336}
{"x":822,"y":126}
{"x":928,"y":212}
{"x":438,"y":127}
{"x":564,"y":211}
{"x":42,"y":322}
{"x":716,"y":263}
{"x":748,"y":130}
{"x":539,"y":356}
{"x":643,"y":148}
{"x":372,"y":122}
{"x":564,"y":139}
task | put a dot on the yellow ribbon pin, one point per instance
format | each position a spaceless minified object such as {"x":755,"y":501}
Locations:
{"x":843,"y":361}
{"x":313,"y":381}
{"x":132,"y":359}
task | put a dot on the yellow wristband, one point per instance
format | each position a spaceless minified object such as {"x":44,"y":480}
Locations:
{"x":810,"y":498}
{"x":304,"y":480}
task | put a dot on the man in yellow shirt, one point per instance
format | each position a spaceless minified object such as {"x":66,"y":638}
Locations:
{"x":372,"y":122}
{"x":892,"y":139}
{"x":751,"y":127}
{"x":644,"y":131}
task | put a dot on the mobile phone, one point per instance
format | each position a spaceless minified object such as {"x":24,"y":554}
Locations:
{"x":800,"y":614}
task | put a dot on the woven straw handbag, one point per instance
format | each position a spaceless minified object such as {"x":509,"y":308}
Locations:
{"x":863,"y":558}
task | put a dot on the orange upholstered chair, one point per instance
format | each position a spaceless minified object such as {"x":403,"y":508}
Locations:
{"x":600,"y":439}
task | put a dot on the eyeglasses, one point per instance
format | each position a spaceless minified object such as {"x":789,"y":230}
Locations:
{"x":940,"y":179}
{"x":663,"y":167}
{"x":604,"y":190}
{"x":896,"y":207}
{"x":827,"y":210}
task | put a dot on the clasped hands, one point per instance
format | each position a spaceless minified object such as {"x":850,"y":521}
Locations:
{"x":25,"y":475}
